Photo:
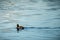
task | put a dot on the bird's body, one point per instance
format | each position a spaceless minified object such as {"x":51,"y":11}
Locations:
{"x":19,"y":27}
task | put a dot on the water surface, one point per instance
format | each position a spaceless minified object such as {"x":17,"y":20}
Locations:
{"x":41,"y":19}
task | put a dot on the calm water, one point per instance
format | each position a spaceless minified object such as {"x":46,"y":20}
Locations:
{"x":41,"y":19}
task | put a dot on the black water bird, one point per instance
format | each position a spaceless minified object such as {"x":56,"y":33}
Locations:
{"x":19,"y":27}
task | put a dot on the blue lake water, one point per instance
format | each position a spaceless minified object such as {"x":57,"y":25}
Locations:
{"x":41,"y":19}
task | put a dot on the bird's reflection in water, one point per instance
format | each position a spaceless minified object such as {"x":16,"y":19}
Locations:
{"x":19,"y":30}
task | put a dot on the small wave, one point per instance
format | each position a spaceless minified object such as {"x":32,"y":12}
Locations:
{"x":56,"y":18}
{"x":42,"y":28}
